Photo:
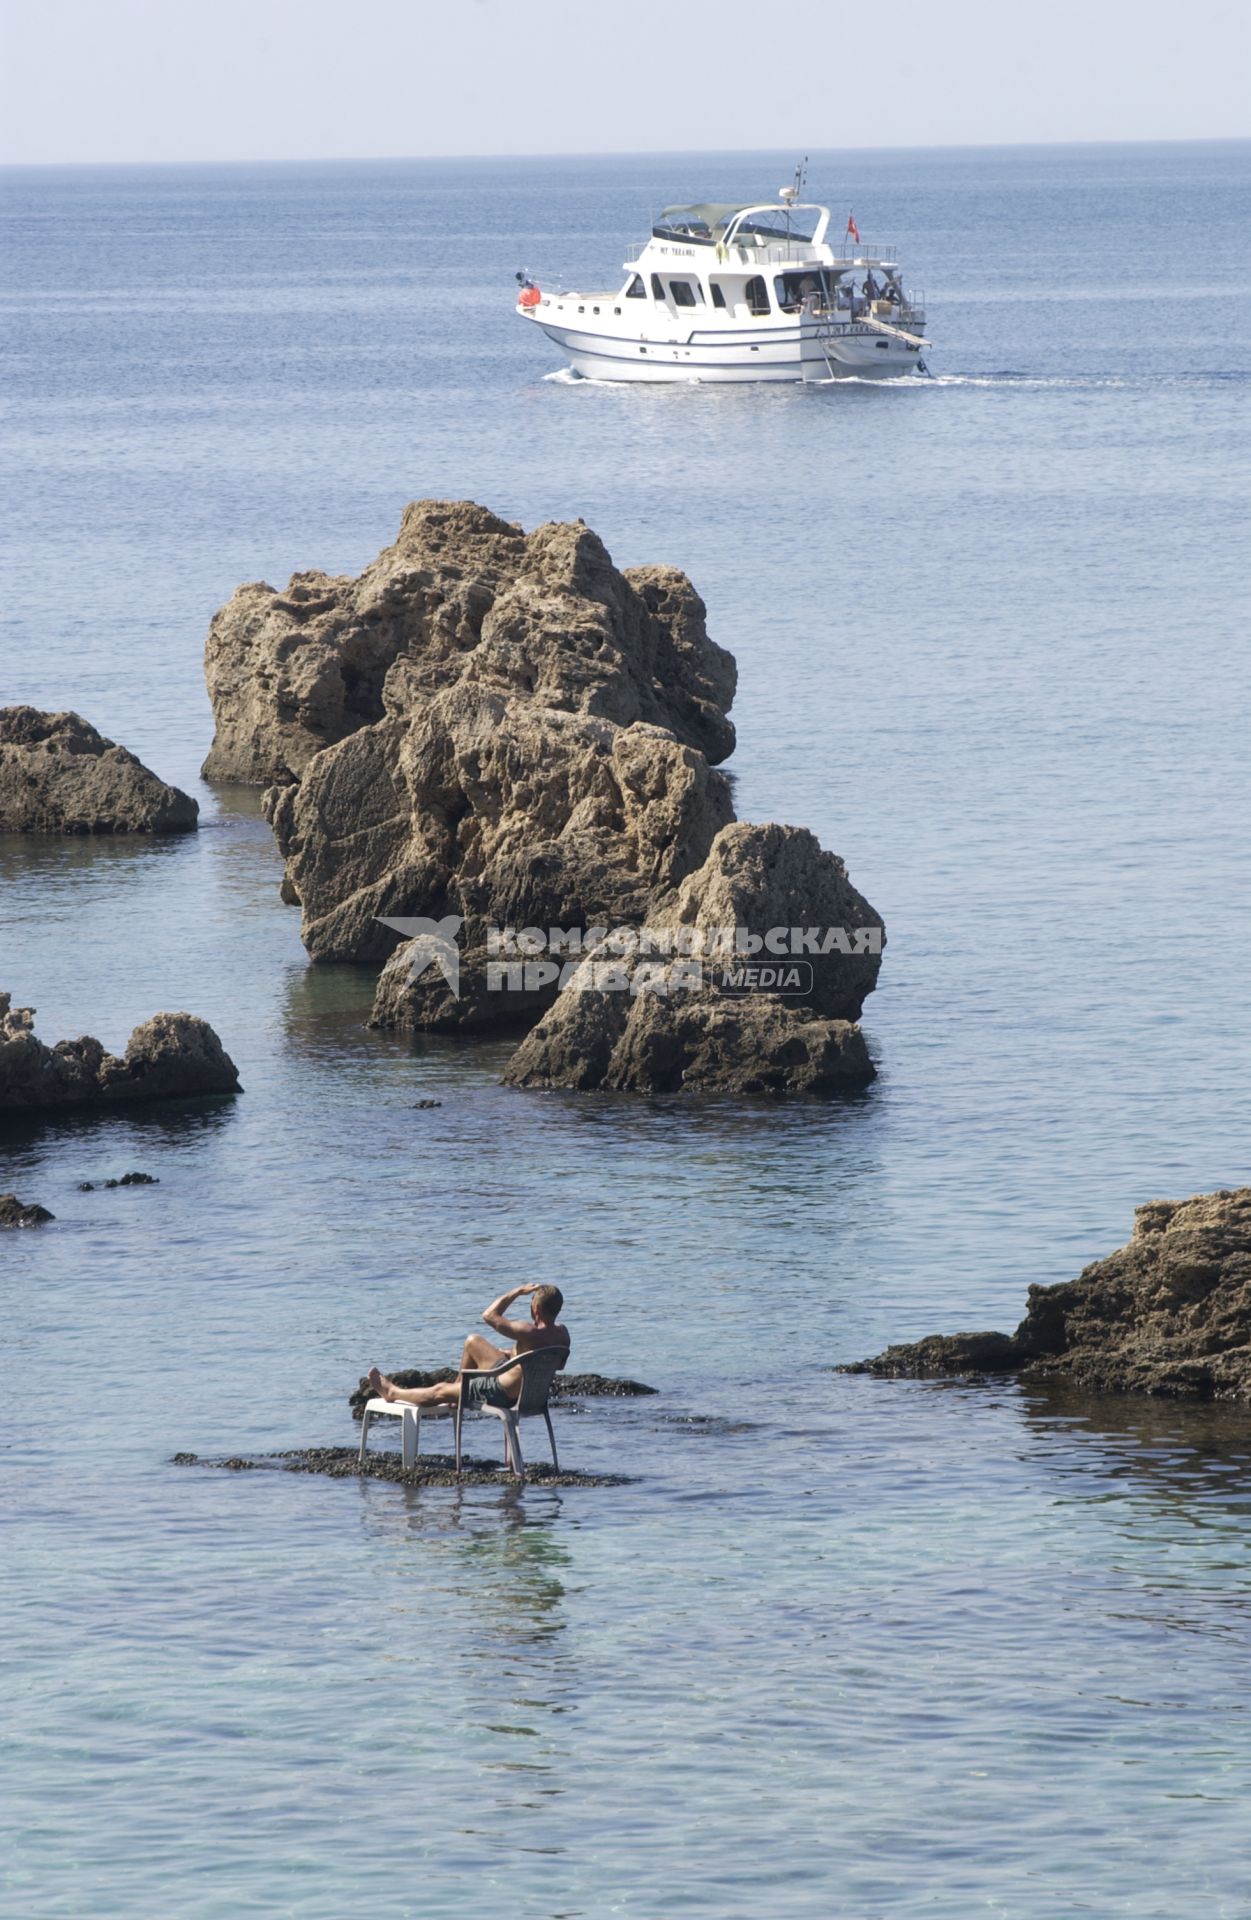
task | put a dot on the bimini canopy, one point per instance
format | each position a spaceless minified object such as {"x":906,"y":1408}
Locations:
{"x":708,"y":225}
{"x":704,"y":224}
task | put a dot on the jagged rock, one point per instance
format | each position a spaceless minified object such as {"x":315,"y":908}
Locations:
{"x":461,"y":596}
{"x":1168,"y":1313}
{"x":945,"y":1356}
{"x":680,"y":1026}
{"x":58,"y":775}
{"x":541,"y":758}
{"x":170,"y":1056}
{"x":13,"y":1213}
{"x":683,"y":1041}
{"x":493,"y":730}
{"x":495,"y":811}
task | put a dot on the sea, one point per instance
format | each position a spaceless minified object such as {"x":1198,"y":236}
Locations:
{"x":839,"y":1648}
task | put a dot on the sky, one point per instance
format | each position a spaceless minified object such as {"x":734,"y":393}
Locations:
{"x":170,"y":80}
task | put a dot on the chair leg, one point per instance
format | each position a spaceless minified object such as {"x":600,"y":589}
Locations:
{"x":410,"y":1435}
{"x":552,"y":1437}
{"x":510,"y":1429}
{"x":366,"y":1418}
{"x":456,"y":1428}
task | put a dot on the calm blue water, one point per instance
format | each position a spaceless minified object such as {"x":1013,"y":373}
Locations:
{"x":843,"y":1647}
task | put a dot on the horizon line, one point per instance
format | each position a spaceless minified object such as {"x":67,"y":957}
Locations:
{"x":634,"y":153}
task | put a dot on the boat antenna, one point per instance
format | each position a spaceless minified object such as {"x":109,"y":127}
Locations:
{"x":789,"y":195}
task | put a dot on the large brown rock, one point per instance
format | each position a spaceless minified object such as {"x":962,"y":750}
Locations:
{"x":58,"y":775}
{"x":1168,"y":1313}
{"x":491,"y":730}
{"x":638,"y":1023}
{"x":460,"y":596}
{"x":170,"y":1056}
{"x":496,"y":810}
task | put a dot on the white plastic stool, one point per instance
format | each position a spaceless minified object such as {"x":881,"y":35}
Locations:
{"x":409,"y":1418}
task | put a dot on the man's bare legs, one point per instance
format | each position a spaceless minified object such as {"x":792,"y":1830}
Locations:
{"x":445,"y":1393}
{"x":478,"y":1352}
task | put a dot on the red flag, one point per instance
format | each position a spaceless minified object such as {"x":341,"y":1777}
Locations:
{"x":852,"y":228}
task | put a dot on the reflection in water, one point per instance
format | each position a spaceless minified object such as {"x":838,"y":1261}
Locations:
{"x":26,"y":1141}
{"x":1194,"y":1457}
{"x":485,"y":1583}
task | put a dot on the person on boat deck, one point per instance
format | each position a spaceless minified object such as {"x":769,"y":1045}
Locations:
{"x":809,"y":295}
{"x":871,"y":289}
{"x":844,"y":298}
{"x":542,"y":1329}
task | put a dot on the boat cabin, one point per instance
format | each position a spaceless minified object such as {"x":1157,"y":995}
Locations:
{"x":755,"y":263}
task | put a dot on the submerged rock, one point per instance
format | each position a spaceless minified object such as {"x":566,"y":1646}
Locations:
{"x":431,"y":1470}
{"x":1168,"y":1313}
{"x":170,"y":1056}
{"x":58,"y":775}
{"x":14,"y":1213}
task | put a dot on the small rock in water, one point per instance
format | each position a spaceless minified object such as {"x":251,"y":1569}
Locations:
{"x":13,"y":1213}
{"x":425,"y":1105}
{"x":135,"y":1180}
{"x":171,"y":1056}
{"x":58,"y":775}
{"x":86,"y":1186}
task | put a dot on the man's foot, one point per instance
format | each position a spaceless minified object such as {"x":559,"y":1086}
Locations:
{"x":384,"y":1388}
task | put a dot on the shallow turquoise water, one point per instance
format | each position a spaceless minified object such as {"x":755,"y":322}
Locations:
{"x":843,"y":1647}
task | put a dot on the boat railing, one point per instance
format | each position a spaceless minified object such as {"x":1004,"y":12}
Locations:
{"x":861,"y":252}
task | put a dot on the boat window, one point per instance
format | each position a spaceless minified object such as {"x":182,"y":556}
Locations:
{"x":636,"y":290}
{"x":684,"y":293}
{"x":757,"y":295}
{"x":658,"y":292}
{"x":718,"y":293}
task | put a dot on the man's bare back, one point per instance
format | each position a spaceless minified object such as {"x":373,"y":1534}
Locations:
{"x":542,"y":1329}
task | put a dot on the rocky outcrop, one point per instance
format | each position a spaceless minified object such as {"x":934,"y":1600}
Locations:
{"x":58,"y":775}
{"x":1168,"y":1313}
{"x":542,"y":756}
{"x":497,"y":813}
{"x":703,"y":1021}
{"x":462,"y":597}
{"x":171,"y":1056}
{"x":489,"y":730}
{"x":13,"y":1213}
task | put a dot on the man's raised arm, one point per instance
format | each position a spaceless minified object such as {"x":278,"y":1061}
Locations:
{"x":496,"y":1314}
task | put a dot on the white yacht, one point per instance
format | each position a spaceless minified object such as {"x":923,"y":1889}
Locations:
{"x":741,"y":293}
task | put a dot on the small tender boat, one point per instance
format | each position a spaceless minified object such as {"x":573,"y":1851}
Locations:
{"x":741,"y":293}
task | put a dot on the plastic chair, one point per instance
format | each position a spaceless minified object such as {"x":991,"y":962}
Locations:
{"x":538,"y":1371}
{"x":539,"y":1368}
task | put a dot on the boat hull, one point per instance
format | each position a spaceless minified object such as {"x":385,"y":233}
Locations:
{"x":802,"y":352}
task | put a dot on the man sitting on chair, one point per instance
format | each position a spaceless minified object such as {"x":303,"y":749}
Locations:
{"x":542,"y":1329}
